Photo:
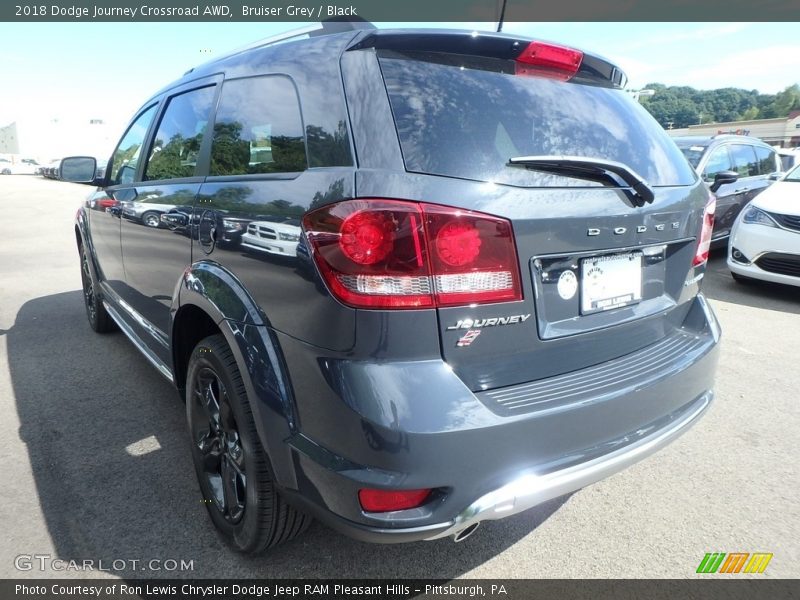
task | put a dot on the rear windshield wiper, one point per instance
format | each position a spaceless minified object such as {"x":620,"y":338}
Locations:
{"x":593,"y":169}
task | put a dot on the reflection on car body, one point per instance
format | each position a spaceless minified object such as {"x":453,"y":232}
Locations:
{"x":276,"y":235}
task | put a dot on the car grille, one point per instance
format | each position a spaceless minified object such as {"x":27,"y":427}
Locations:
{"x":664,"y":358}
{"x":789,"y":221}
{"x":782,"y":264}
{"x":262,"y":232}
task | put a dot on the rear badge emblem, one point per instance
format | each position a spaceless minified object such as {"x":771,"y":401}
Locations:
{"x":468,"y":338}
{"x":567,"y":285}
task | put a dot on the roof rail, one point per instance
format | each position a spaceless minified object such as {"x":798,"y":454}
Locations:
{"x":327,"y":27}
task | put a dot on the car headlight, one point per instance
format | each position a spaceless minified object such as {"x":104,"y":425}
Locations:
{"x":232,"y":225}
{"x":756,"y":216}
{"x":288,"y":237}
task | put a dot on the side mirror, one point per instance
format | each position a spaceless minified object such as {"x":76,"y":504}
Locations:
{"x":724,"y":178}
{"x":78,"y":169}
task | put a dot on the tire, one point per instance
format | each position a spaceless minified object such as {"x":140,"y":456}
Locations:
{"x":151,"y":219}
{"x":248,"y":511}
{"x":99,"y":319}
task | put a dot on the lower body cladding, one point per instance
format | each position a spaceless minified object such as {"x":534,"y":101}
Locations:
{"x":414,"y":425}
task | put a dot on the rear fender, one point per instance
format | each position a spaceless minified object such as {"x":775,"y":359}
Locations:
{"x":217,"y":292}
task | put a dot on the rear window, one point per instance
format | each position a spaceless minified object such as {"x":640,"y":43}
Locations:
{"x":467,"y":123}
{"x":692,"y":152}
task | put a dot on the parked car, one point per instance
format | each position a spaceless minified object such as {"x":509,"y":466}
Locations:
{"x":146,"y":210}
{"x":765,"y":242}
{"x":101,"y":201}
{"x":24,"y":166}
{"x":220,"y":227}
{"x":497,"y":294}
{"x":736,"y":167}
{"x":789,"y":157}
{"x":273,"y":235}
{"x":50,"y":170}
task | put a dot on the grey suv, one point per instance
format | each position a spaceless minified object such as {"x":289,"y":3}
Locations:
{"x":493,"y":299}
{"x":737,"y":168}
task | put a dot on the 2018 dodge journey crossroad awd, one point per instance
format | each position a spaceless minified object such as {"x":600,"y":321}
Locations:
{"x":493,"y":299}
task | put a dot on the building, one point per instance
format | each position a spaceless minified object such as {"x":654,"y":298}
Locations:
{"x":783,"y":132}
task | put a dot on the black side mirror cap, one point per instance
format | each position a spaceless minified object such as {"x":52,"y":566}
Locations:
{"x":79,"y":169}
{"x":723,"y":178}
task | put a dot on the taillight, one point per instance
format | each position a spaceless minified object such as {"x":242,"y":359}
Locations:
{"x":549,"y":60}
{"x":376,"y":253}
{"x":389,"y":500}
{"x":704,"y":244}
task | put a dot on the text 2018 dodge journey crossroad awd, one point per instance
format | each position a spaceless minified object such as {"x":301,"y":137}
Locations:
{"x":492,"y":297}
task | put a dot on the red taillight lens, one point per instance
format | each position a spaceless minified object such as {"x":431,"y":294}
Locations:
{"x":389,"y":500}
{"x":549,"y":60}
{"x":376,"y":253}
{"x":704,"y":244}
{"x":473,"y":258}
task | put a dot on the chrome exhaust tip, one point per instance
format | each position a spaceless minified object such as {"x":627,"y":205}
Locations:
{"x":465,"y":533}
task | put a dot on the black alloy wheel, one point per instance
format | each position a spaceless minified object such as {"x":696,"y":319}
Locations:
{"x":216,"y":435}
{"x":99,"y":319}
{"x":232,"y":467}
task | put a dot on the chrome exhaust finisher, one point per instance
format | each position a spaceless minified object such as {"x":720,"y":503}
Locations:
{"x":530,"y":490}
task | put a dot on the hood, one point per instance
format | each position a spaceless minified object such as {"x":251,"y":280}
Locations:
{"x":782,"y":197}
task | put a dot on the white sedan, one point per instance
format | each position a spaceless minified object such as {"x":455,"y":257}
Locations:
{"x":765,"y":240}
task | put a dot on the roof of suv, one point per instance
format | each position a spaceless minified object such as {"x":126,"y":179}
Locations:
{"x":707,"y":140}
{"x":456,"y":41}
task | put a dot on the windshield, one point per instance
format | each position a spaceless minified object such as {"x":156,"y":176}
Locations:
{"x":692,"y":152}
{"x":467,"y":122}
{"x":793,"y":175}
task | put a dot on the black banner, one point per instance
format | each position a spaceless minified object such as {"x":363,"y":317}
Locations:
{"x":745,"y":588}
{"x":402,"y":10}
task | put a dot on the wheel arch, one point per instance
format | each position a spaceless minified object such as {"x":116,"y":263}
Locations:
{"x":210,"y":300}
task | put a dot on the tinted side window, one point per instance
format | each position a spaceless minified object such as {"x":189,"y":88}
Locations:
{"x":177,"y":142}
{"x":766,"y":160}
{"x":744,"y":160}
{"x":126,"y":156}
{"x":719,"y":160}
{"x":258,"y":128}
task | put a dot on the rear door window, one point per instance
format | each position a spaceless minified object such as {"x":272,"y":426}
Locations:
{"x":766,"y":160}
{"x":744,"y":160}
{"x":258,"y":128}
{"x":467,"y":122}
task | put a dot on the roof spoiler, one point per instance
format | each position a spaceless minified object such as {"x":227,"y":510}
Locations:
{"x":326,"y":27}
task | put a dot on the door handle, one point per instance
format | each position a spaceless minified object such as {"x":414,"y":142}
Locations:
{"x":741,"y":190}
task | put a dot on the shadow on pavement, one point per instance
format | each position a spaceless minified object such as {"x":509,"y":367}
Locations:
{"x":108,"y":448}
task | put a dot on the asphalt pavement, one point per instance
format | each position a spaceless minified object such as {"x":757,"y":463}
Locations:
{"x":96,"y":467}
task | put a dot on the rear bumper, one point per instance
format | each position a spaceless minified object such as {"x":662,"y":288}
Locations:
{"x":484,"y":464}
{"x":531,"y":490}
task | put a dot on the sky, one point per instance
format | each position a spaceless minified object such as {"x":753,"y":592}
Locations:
{"x":107,"y":70}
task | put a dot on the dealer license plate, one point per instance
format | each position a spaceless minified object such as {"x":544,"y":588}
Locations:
{"x":610,"y":281}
